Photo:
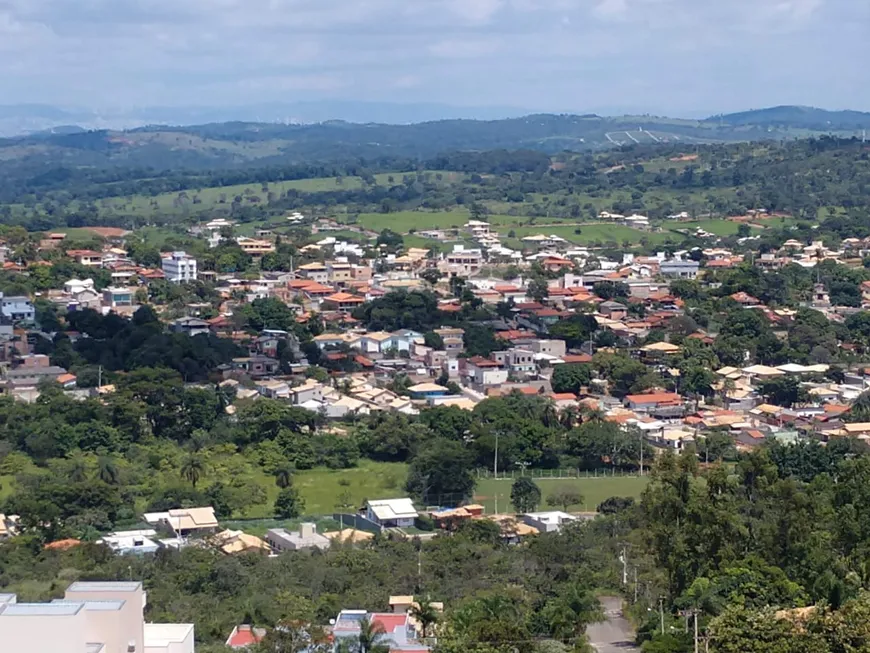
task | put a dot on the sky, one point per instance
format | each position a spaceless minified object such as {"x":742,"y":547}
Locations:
{"x":681,"y":58}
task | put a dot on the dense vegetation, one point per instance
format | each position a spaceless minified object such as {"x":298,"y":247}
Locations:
{"x":803,"y":178}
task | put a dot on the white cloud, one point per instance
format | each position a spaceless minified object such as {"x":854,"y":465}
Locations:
{"x":545,"y":54}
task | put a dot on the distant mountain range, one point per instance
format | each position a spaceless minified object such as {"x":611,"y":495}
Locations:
{"x":256,"y":143}
{"x":23,"y":119}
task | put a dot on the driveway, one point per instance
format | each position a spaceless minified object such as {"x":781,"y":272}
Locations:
{"x":615,"y":635}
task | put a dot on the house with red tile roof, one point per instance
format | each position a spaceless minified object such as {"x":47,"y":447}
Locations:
{"x":245,"y":636}
{"x":659,"y":404}
{"x":483,"y":372}
{"x":342,"y":301}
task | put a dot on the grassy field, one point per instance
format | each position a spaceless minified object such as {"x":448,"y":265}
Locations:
{"x":7,"y":487}
{"x":320,"y":488}
{"x":196,"y":201}
{"x":404,"y":221}
{"x":588,"y":233}
{"x":594,"y":491}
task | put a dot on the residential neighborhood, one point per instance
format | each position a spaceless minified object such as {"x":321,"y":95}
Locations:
{"x":631,"y":358}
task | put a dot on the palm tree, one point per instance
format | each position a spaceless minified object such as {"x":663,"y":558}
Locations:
{"x":372,"y":638}
{"x":549,"y":413}
{"x":589,"y":414}
{"x":107,"y":470}
{"x":426,"y":615}
{"x":284,"y":477}
{"x":78,"y":470}
{"x":192,"y":469}
{"x":569,"y":417}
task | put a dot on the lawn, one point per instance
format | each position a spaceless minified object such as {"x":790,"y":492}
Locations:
{"x":594,"y":491}
{"x":720,"y":227}
{"x":403,"y":221}
{"x":588,"y":233}
{"x":321,"y":488}
{"x":7,"y":486}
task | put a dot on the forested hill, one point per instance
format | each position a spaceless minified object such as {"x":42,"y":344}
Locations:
{"x":239,"y":145}
{"x":796,"y":117}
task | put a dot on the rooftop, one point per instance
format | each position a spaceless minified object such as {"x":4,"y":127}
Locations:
{"x":41,"y":609}
{"x":104,"y":586}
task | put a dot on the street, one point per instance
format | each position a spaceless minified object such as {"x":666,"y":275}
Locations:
{"x":614,"y":635}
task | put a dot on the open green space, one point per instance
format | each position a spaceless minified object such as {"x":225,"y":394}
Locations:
{"x":7,"y":486}
{"x":321,"y":488}
{"x":588,"y":233}
{"x":594,"y":491}
{"x":404,"y":221}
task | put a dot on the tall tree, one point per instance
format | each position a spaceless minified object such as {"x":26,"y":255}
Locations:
{"x":192,"y":469}
{"x":525,"y":495}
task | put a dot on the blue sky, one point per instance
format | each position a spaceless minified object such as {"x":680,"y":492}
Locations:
{"x":675,"y":57}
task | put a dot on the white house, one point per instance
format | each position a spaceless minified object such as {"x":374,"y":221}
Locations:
{"x":549,"y":521}
{"x":391,"y":513}
{"x":97,"y":617}
{"x":179,"y":268}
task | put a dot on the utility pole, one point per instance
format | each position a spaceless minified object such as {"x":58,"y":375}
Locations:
{"x":635,"y":584}
{"x":662,"y":613}
{"x":624,"y":559}
{"x":100,"y":378}
{"x":641,"y":453}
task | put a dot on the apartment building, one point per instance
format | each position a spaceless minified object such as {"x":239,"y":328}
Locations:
{"x":179,"y":268}
{"x":93,"y":617}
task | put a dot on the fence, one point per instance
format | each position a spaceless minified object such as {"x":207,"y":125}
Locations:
{"x":554,"y":474}
{"x":359,"y":522}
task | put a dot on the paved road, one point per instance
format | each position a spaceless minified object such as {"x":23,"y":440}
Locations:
{"x":614,"y":635}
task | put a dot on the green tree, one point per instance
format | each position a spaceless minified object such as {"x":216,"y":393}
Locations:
{"x":525,"y":495}
{"x":426,"y":615}
{"x":441,"y":472}
{"x":289,"y":503}
{"x":431,"y":276}
{"x":192,"y":469}
{"x":538,"y":289}
{"x":571,"y":377}
{"x":610,"y":290}
{"x":108,"y":470}
{"x":284,"y":477}
{"x":565,"y":497}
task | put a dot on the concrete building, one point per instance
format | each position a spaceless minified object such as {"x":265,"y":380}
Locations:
{"x":306,"y":537}
{"x":548,"y":522}
{"x":680,"y":269}
{"x":118,"y":297}
{"x":484,"y":372}
{"x":136,"y":542}
{"x":179,"y":268}
{"x":17,"y":309}
{"x":93,"y":617}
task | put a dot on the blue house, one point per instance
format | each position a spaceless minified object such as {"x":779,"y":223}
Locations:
{"x":17,"y":309}
{"x":427,"y":390}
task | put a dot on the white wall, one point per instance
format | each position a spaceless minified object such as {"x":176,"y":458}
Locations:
{"x":44,"y":634}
